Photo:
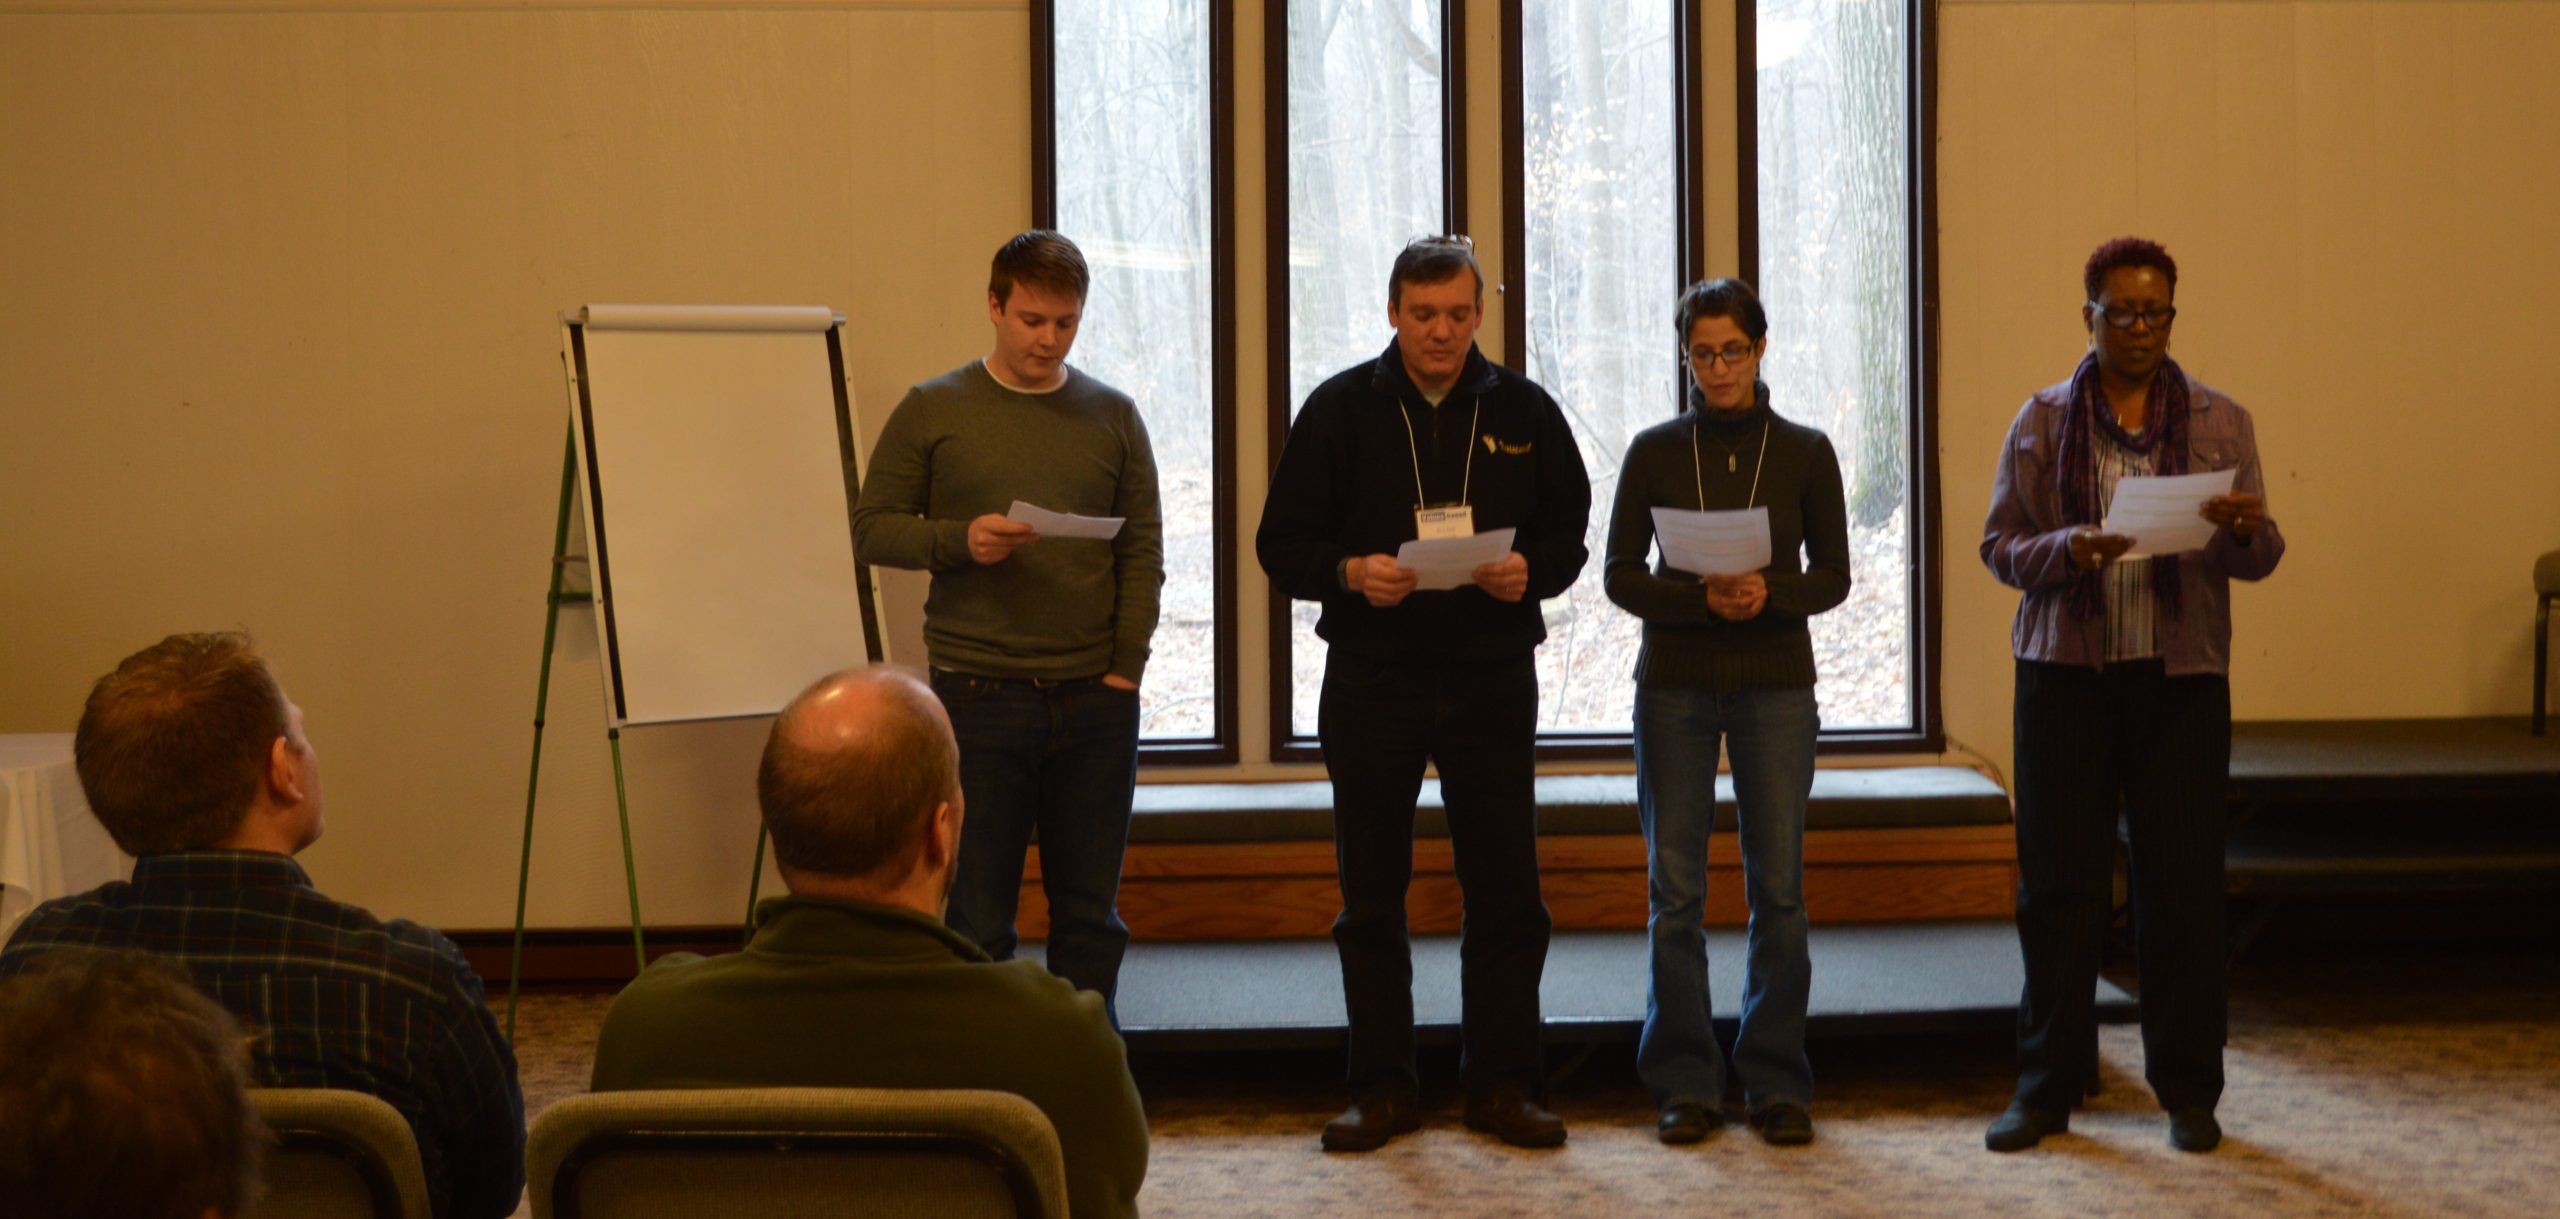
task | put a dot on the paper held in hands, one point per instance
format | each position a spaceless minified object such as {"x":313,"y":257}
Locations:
{"x":1452,"y":562}
{"x":1713,"y":543}
{"x":2163,"y":513}
{"x":1064,"y":524}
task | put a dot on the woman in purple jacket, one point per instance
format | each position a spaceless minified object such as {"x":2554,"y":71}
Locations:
{"x":2123,"y":700}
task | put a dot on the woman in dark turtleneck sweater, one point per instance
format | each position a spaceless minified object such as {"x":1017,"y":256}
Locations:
{"x":1728,"y":658}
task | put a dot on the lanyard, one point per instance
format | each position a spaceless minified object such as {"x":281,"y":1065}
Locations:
{"x":1697,"y":467}
{"x":1422,"y":500}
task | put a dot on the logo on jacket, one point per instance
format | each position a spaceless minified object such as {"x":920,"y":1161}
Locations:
{"x":1493,"y":444}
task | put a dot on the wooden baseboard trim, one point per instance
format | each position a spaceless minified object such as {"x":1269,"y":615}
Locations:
{"x":1288,"y":890}
{"x":582,"y":956}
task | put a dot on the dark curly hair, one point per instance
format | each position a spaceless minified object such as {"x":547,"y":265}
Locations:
{"x":2127,"y":252}
{"x":125,"y":1091}
{"x":1726,"y":297}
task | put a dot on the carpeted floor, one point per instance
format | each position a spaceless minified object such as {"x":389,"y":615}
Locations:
{"x":2417,"y":1083}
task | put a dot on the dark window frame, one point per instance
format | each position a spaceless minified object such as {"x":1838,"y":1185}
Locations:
{"x":1285,"y":745}
{"x":1920,"y":429}
{"x":1221,"y":746}
{"x":1688,"y":82}
{"x":1927,"y":734}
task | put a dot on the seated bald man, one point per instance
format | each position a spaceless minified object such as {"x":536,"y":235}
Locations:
{"x":853,"y":980}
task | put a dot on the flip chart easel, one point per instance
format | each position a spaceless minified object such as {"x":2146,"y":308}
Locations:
{"x":716,"y":451}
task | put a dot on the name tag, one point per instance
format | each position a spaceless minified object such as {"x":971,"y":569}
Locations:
{"x":1444,"y":521}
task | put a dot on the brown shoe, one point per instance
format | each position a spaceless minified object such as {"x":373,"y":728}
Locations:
{"x":1784,"y":1125}
{"x":1687,"y":1121}
{"x":1515,"y":1120}
{"x":2194,"y":1129}
{"x":2021,"y":1126}
{"x":1369,"y":1123}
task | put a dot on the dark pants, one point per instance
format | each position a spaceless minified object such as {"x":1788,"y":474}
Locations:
{"x":1061,"y":760}
{"x":2091,"y":743}
{"x":1379,"y":723}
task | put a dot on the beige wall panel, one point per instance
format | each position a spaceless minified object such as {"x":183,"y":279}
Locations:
{"x":943,"y":139}
{"x":2358,"y":196}
{"x":2016,"y":184}
{"x":1720,"y":212}
{"x":283,"y":328}
{"x":1254,"y":451}
{"x":279,"y":345}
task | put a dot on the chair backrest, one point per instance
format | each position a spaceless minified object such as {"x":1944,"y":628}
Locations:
{"x":794,"y":1152}
{"x":337,"y":1155}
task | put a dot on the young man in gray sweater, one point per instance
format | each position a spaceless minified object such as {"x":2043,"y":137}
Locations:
{"x":1037,"y":646}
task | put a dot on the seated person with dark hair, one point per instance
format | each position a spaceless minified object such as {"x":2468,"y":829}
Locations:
{"x":853,"y":981}
{"x":197,"y":763}
{"x":123,"y":1091}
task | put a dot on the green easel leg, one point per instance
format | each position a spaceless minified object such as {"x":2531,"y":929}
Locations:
{"x":630,"y":872}
{"x":541,"y":704}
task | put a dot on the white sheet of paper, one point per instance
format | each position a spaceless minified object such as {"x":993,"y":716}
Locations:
{"x":2160,"y":513}
{"x":1713,"y":543}
{"x":1064,"y":524}
{"x":1452,"y":562}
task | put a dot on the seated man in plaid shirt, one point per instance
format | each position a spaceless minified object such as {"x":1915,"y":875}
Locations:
{"x":197,"y":764}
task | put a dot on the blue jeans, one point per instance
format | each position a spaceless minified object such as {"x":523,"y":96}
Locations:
{"x":1771,"y":734}
{"x":1061,"y":760}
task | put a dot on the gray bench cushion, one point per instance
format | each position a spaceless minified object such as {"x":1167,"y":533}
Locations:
{"x":2500,"y":848}
{"x":2424,"y":806}
{"x":2436,"y":760}
{"x":1899,"y":797}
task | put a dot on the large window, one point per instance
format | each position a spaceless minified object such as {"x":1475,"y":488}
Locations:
{"x":1367,"y":122}
{"x":1134,"y":169}
{"x":1833,"y":95}
{"x":1828,"y":223}
{"x":1600,"y":219}
{"x":1601,"y":216}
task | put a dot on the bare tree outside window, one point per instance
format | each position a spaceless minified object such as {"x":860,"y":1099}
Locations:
{"x":1366,"y":143}
{"x":1599,"y":109}
{"x":1133,"y":187}
{"x":1835,"y":271}
{"x":1366,"y":134}
{"x":1600,"y":105}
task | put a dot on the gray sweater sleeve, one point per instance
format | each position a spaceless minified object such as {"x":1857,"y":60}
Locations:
{"x":1137,"y":556}
{"x":890,"y":527}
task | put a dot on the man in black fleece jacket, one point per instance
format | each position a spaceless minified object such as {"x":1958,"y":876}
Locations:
{"x":1431,"y":429}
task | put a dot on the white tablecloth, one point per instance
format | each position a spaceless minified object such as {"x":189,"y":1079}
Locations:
{"x":49,"y":844}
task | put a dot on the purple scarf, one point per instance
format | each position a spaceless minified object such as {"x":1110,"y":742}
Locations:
{"x":2165,"y":434}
